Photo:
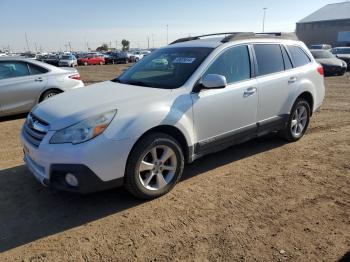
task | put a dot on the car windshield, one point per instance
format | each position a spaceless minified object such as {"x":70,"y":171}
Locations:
{"x":322,"y":54}
{"x":166,"y":68}
{"x":67,"y":57}
{"x":344,"y":51}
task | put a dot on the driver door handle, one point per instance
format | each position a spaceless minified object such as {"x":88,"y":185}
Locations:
{"x":38,"y":79}
{"x":250,"y":91}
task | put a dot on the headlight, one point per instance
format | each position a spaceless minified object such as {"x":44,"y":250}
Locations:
{"x":84,"y":130}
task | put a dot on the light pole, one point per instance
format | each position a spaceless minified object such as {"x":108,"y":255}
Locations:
{"x":264,"y":16}
{"x":167,"y":34}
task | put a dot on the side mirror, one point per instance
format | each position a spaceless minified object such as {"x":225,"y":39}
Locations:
{"x":214,"y":81}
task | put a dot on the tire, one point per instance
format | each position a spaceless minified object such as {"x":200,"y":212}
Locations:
{"x":85,"y":63}
{"x":297,"y":125}
{"x":48,"y":94}
{"x":157,"y":178}
{"x":101,"y":63}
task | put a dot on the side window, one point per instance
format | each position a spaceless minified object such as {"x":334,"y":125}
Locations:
{"x":36,"y":70}
{"x":269,"y":58}
{"x":12,"y":69}
{"x":234,"y":64}
{"x":298,"y":56}
{"x":287,"y":63}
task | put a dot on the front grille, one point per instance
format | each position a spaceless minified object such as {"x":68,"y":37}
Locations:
{"x":34,"y":130}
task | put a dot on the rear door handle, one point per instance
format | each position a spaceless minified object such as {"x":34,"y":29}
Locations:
{"x":250,"y":91}
{"x":38,"y":79}
{"x":292,"y":80}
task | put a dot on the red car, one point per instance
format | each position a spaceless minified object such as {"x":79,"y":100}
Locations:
{"x":91,"y":60}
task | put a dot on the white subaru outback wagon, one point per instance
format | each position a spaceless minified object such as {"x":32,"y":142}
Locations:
{"x":194,"y":97}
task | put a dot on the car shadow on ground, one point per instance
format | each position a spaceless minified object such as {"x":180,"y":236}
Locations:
{"x":345,"y":258}
{"x":29,"y":212}
{"x":14,"y":117}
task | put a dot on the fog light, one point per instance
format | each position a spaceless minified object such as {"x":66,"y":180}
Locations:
{"x":71,"y":180}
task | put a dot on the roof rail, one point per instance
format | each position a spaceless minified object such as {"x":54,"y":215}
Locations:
{"x":234,"y":36}
{"x":280,"y":35}
{"x":191,"y":38}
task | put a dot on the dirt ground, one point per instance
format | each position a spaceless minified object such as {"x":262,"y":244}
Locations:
{"x":265,"y":200}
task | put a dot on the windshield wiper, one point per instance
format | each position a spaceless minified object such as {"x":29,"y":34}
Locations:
{"x":137,"y":83}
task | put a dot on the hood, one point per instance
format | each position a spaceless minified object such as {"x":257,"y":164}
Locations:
{"x":330,"y":62}
{"x":76,"y":105}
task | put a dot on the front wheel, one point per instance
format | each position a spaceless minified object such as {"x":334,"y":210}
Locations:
{"x":154,"y":166}
{"x":298,"y":121}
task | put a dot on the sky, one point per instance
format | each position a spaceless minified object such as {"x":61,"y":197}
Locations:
{"x":52,"y":25}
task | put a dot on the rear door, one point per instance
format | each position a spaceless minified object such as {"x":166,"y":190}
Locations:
{"x":20,"y":86}
{"x":276,"y":78}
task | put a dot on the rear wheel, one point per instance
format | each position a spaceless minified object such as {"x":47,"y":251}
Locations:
{"x":48,"y":94}
{"x":154,"y":166}
{"x":85,"y":63}
{"x":298,"y":121}
{"x":101,"y":63}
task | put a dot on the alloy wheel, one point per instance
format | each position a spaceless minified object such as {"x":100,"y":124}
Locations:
{"x":157,"y":167}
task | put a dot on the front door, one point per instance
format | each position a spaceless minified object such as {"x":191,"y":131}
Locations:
{"x":221,"y":116}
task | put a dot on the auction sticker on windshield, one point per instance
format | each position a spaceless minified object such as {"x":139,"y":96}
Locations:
{"x":183,"y":60}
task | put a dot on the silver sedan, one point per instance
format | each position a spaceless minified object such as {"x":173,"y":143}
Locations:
{"x":24,"y":83}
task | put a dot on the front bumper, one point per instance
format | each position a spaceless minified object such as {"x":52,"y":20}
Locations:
{"x":98,"y":164}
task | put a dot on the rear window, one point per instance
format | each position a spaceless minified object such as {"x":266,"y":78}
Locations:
{"x":36,"y":70}
{"x":299,"y":57}
{"x":322,"y":54}
{"x":269,"y":58}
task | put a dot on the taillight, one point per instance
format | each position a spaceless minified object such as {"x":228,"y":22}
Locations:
{"x":320,"y":70}
{"x":75,"y":77}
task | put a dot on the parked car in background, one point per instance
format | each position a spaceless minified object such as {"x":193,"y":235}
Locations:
{"x":140,"y":129}
{"x":342,"y":53}
{"x":28,"y":55}
{"x":321,"y":46}
{"x":92,"y":59}
{"x":136,"y":56}
{"x":332,"y":65}
{"x":117,"y":58}
{"x":51,"y":59}
{"x":25,"y":82}
{"x":68,"y":61}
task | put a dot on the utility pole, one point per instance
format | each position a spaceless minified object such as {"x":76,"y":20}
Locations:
{"x":264,"y":17}
{"x":116,"y":45}
{"x":70,"y":47}
{"x":167,"y":34}
{"x":152,"y":41}
{"x":36,"y":48}
{"x":147,"y":42}
{"x":25,"y":34}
